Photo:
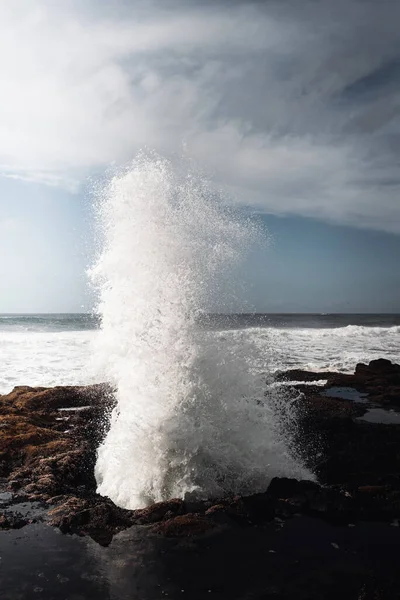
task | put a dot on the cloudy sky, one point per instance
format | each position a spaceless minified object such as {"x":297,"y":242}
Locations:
{"x":292,"y":106}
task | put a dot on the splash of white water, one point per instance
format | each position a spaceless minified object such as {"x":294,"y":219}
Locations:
{"x":189,"y":418}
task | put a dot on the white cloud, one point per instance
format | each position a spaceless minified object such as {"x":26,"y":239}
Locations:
{"x":257,"y":92}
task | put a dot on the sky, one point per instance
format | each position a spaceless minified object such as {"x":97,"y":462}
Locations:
{"x":292,"y":107}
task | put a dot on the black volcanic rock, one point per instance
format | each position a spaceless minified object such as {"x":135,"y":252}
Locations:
{"x":47,"y":460}
{"x":292,"y":540}
{"x":302,"y":375}
{"x":380,"y":379}
{"x":379,"y":367}
{"x":340,"y":449}
{"x":10,"y":520}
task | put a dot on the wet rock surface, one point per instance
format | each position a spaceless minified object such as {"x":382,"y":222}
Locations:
{"x":345,"y":450}
{"x":380,"y":379}
{"x":47,"y":456}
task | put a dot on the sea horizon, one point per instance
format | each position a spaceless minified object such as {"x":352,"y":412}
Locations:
{"x":29,"y":314}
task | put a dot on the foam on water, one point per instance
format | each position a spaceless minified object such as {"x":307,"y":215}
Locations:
{"x":191,"y":415}
{"x":338,"y":349}
{"x":43,"y":358}
{"x":57,"y":354}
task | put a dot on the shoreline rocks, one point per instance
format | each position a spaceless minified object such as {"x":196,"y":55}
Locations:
{"x":380,"y":379}
{"x":49,"y":437}
{"x":297,"y":538}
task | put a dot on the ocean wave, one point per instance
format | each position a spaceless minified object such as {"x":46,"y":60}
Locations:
{"x":360,"y":330}
{"x":338,"y":349}
{"x":192,"y":415}
{"x":65,"y":357}
{"x":44,"y":358}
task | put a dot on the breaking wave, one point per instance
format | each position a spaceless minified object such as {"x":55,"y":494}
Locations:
{"x":191,"y":414}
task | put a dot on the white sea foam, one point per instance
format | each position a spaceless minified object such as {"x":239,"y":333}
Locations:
{"x":44,"y":358}
{"x":47,"y":358}
{"x":191,"y":412}
{"x":333,"y":349}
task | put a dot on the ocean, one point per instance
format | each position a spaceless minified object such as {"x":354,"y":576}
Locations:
{"x":57,"y":349}
{"x":197,"y":409}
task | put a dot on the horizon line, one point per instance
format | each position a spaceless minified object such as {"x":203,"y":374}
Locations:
{"x":255,"y":313}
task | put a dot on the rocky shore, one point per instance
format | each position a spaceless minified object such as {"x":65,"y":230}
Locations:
{"x":48,"y":441}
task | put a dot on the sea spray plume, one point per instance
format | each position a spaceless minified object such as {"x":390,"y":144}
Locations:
{"x":187,"y":417}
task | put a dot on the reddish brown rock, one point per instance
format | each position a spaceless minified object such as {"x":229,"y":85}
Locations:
{"x":65,"y":506}
{"x":185,"y":526}
{"x":38,"y":455}
{"x":51,"y":460}
{"x":159,"y":511}
{"x":94,"y":516}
